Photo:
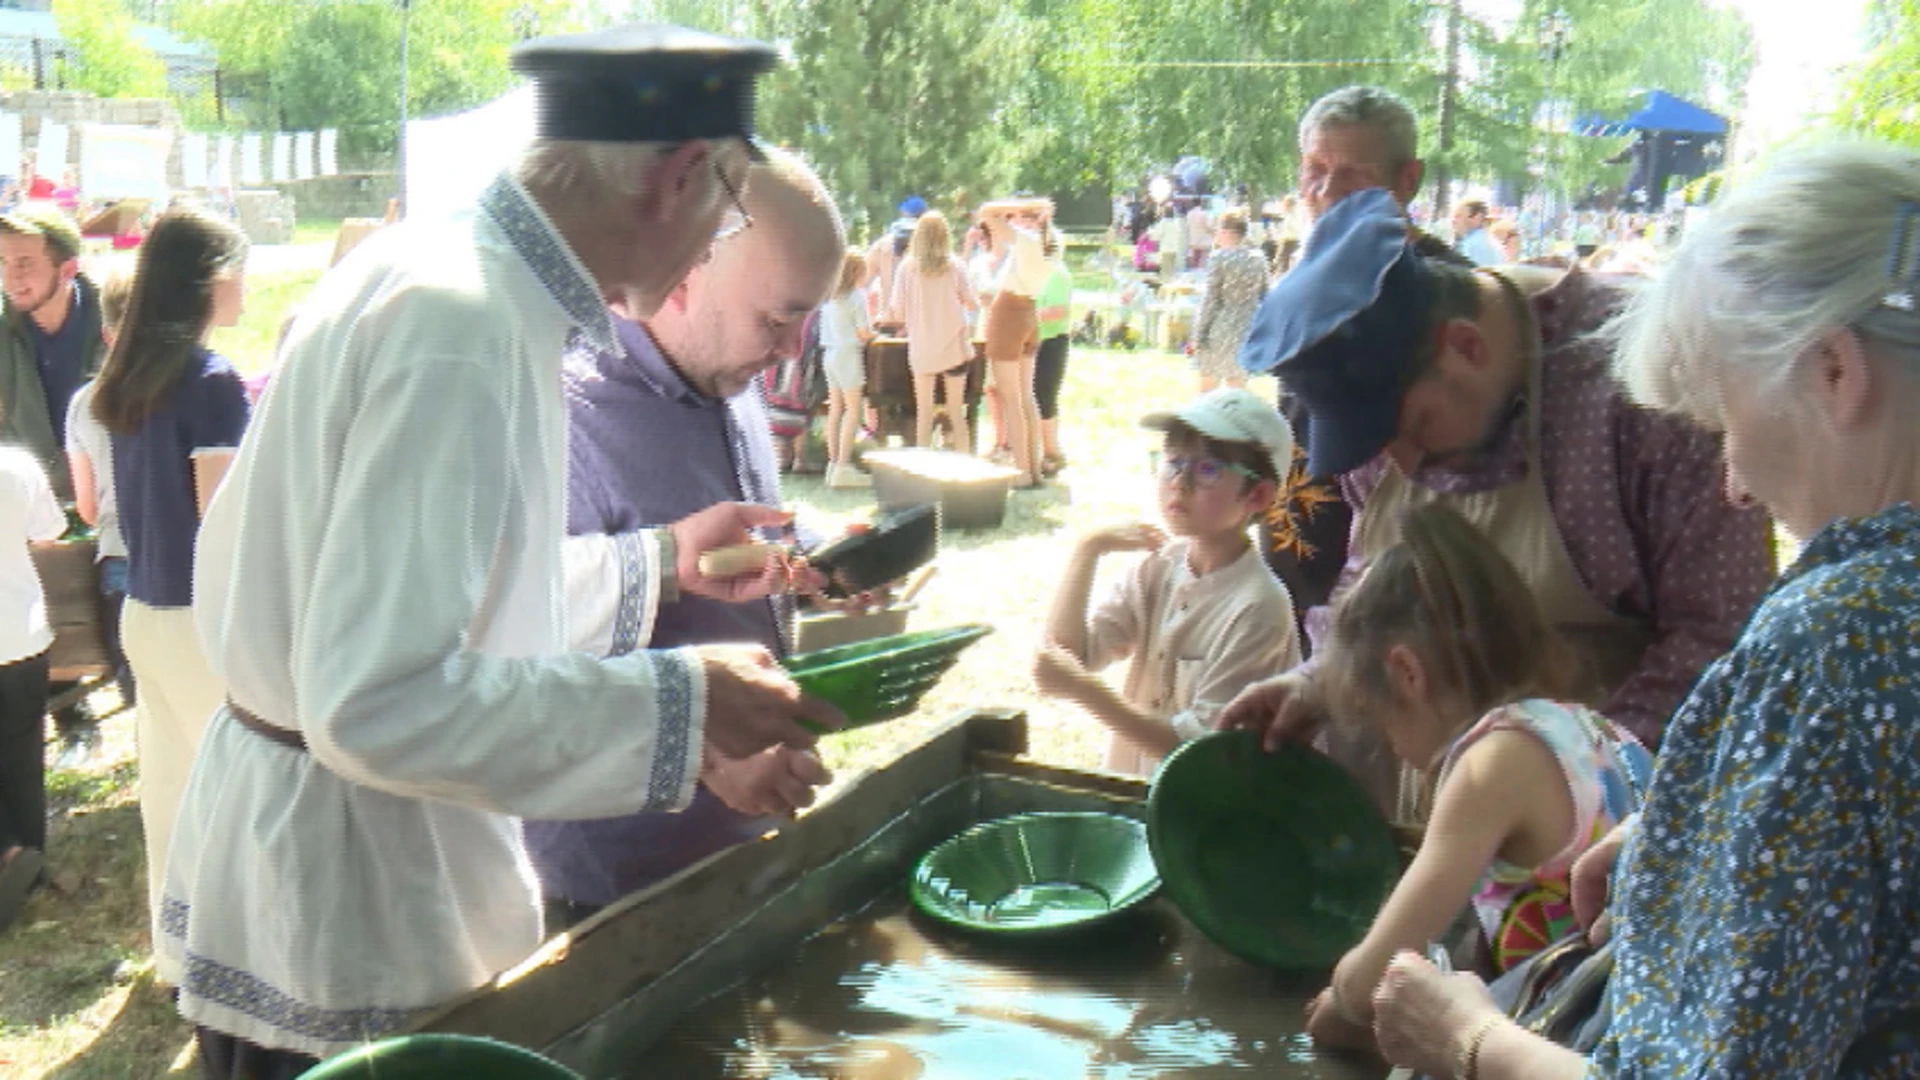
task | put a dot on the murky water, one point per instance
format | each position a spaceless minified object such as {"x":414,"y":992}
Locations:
{"x":886,"y":995}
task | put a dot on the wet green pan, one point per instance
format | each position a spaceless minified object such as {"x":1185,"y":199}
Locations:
{"x":1036,"y":873}
{"x":1278,"y":857}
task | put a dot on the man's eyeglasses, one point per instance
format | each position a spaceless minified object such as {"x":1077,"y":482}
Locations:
{"x":1201,"y":472}
{"x":737,"y":219}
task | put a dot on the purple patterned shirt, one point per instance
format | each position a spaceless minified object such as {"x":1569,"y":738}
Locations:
{"x":1638,"y":497}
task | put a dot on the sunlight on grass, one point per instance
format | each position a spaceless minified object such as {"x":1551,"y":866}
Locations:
{"x":249,"y":346}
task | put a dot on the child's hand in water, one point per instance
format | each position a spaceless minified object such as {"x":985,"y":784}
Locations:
{"x":1331,"y":1030}
{"x":1130,"y":537}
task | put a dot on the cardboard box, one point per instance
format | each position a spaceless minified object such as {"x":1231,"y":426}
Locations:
{"x":825,"y":629}
{"x":972,"y":493}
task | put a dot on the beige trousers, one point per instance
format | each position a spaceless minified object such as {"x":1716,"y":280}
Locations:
{"x":178,"y":694}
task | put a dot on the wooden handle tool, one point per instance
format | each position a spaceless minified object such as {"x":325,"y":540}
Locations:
{"x":736,"y":560}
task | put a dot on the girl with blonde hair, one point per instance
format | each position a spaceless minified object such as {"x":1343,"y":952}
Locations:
{"x":844,"y":333}
{"x":932,"y":298}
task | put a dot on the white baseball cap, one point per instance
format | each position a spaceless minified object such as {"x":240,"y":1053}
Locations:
{"x":1231,"y":414}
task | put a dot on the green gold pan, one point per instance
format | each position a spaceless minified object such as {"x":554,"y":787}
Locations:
{"x":1279,"y":857}
{"x":1036,"y":873}
{"x":877,"y":680}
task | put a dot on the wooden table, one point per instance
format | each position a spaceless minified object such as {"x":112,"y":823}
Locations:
{"x":890,"y":386}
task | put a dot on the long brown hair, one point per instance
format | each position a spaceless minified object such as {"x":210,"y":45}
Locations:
{"x":1447,"y":593}
{"x":167,"y":313}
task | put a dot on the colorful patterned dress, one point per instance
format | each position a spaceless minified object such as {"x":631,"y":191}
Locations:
{"x":1524,"y":909}
{"x":1767,"y":912}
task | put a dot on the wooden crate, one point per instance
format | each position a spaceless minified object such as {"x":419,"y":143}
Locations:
{"x":70,"y":578}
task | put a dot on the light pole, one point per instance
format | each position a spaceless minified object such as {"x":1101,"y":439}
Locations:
{"x":400,"y":146}
{"x":1556,"y":29}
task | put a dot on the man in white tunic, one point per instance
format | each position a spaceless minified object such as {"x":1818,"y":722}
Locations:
{"x":379,"y":582}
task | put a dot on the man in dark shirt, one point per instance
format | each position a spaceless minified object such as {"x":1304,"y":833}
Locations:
{"x":50,"y":344}
{"x":671,"y":423}
{"x":51,"y":341}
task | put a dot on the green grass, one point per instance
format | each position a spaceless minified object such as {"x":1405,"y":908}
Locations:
{"x":316,"y":230}
{"x":77,"y":996}
{"x":1005,"y":576}
{"x":250,"y":345}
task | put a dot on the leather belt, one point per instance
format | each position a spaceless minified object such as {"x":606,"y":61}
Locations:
{"x":250,"y":720}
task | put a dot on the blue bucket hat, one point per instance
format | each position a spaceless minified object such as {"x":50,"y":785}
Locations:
{"x":1343,"y":328}
{"x":913,"y":206}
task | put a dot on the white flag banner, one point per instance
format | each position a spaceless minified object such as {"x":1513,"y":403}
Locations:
{"x":124,"y":161}
{"x":222,"y":176}
{"x":193,"y":160}
{"x":250,"y":174}
{"x":329,"y":146}
{"x":12,"y":146}
{"x":282,"y":157}
{"x":51,"y":160}
{"x":303,"y":155}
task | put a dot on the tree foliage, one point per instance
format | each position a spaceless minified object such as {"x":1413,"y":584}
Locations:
{"x":953,"y":98}
{"x":103,"y":55}
{"x":337,"y":64}
{"x":1882,"y":94}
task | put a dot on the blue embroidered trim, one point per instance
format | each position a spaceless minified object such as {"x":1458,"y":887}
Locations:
{"x":173,"y":917}
{"x":231,"y":988}
{"x":673,"y":689}
{"x":546,"y":255}
{"x":635,"y":583}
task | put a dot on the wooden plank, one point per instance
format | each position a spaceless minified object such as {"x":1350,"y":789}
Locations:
{"x":578,"y":976}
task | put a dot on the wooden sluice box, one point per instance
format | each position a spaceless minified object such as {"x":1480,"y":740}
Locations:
{"x":797,"y":956}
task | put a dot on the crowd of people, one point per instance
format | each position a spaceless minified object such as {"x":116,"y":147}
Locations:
{"x":413,"y":694}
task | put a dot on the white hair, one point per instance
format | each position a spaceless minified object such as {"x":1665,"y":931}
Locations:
{"x":1384,"y":112}
{"x":600,"y":168}
{"x":1798,"y":248}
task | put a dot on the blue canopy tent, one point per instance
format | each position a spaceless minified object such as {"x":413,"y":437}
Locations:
{"x":1674,"y":139}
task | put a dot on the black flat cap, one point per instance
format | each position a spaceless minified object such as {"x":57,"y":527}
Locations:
{"x":644,"y":82}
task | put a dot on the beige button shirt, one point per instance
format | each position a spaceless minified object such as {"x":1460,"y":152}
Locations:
{"x":1195,"y":640}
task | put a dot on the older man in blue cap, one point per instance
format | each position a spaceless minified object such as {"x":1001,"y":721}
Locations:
{"x":1488,"y":391}
{"x":379,"y":582}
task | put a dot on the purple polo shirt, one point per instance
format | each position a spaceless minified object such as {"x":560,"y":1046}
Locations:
{"x":646,"y":449}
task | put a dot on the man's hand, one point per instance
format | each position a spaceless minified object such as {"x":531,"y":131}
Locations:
{"x":751,"y":704}
{"x":1589,"y":881}
{"x":776,"y":781}
{"x":1129,"y":537}
{"x":1282,"y":709}
{"x":724,"y":525}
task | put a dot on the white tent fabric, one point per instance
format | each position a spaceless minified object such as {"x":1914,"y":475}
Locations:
{"x":451,"y":159}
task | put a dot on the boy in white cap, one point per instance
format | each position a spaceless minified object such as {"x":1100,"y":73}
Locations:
{"x":1202,"y":616}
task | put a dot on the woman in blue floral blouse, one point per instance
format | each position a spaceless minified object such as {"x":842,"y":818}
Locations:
{"x":1766,"y":905}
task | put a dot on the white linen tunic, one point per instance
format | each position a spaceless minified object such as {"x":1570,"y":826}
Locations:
{"x":381,"y":571}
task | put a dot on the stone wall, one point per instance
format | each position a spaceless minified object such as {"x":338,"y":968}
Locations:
{"x":73,"y":107}
{"x":344,"y":196}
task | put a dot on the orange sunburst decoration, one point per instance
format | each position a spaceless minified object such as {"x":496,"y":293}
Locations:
{"x":1300,"y":499}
